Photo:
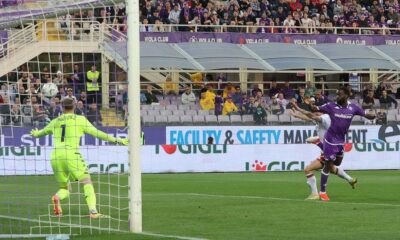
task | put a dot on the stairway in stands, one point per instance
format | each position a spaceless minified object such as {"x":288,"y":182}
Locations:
{"x":110,"y":118}
{"x":52,"y":31}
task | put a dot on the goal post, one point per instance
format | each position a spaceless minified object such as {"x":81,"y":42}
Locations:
{"x":135,"y":171}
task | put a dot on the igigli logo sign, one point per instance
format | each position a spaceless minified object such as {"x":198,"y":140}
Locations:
{"x":191,"y":149}
{"x":259,"y":166}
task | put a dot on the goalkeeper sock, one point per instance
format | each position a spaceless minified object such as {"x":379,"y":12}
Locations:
{"x":90,"y":196}
{"x":62,"y":194}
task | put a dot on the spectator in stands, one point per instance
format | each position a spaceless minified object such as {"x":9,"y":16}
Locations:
{"x":275,"y":107}
{"x":54,"y":110}
{"x":352,"y":92}
{"x":24,"y":81}
{"x":61,"y":93}
{"x":70,"y":94}
{"x":150,"y":96}
{"x":78,"y":78}
{"x":288,"y":91}
{"x":170,"y":88}
{"x":37,"y":86}
{"x":188,"y":96}
{"x":381,"y":117}
{"x":93,"y":115}
{"x":58,"y":80}
{"x":310,"y":89}
{"x":228,"y":90}
{"x":31,"y":78}
{"x":145,"y":27}
{"x":206,"y":103}
{"x":273,"y":89}
{"x":5,"y":111}
{"x":291,"y":103}
{"x":49,"y":89}
{"x":219,"y":102}
{"x":249,"y":107}
{"x":281,"y":100}
{"x":229,"y":107}
{"x":386,"y":101}
{"x":379,"y":89}
{"x":319,"y":98}
{"x":173,"y":16}
{"x":300,"y":97}
{"x":22,"y":95}
{"x":15,"y":114}
{"x":306,"y":103}
{"x":80,"y":108}
{"x":40,"y":117}
{"x":92,"y":84}
{"x":210,"y":94}
{"x":83,"y":98}
{"x":237,"y":97}
{"x":27,"y":107}
{"x":368,"y":101}
{"x":259,"y":97}
{"x":366,"y":89}
{"x":259,"y":114}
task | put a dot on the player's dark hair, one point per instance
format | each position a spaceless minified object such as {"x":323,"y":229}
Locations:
{"x":345,"y":90}
{"x":68,"y":103}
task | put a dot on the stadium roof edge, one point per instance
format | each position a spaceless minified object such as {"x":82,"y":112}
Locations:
{"x":267,"y":57}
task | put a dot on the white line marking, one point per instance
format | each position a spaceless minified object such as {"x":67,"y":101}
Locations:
{"x":272,"y":199}
{"x":98,"y":228}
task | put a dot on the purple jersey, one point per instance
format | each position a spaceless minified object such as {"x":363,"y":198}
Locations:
{"x":340,"y":121}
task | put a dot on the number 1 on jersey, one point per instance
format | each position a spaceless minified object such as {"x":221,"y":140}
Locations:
{"x":63,"y":133}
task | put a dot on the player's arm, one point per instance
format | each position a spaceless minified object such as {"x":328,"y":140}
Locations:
{"x":43,"y":132}
{"x":309,"y":115}
{"x":361,"y":112}
{"x":300,"y":116}
{"x":91,"y":130}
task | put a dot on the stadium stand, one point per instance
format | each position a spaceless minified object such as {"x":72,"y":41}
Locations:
{"x":31,"y":94}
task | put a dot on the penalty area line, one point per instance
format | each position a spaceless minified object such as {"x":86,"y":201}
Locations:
{"x":272,"y":199}
{"x":96,"y":228}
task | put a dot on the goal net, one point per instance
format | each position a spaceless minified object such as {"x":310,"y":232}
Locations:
{"x":52,"y":50}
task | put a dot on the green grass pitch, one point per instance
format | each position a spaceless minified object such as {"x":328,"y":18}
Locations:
{"x":268,"y":205}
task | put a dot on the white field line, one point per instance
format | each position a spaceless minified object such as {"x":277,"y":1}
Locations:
{"x":95,"y":228}
{"x":271,"y":199}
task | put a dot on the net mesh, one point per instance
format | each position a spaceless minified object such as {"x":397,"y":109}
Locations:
{"x":50,"y":51}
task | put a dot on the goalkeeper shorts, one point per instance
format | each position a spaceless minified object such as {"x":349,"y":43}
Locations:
{"x":68,"y":165}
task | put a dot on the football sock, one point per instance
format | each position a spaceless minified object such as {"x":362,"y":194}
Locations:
{"x":324,"y":180}
{"x":341,"y":173}
{"x":62,"y":194}
{"x":312,"y":182}
{"x":90,"y":196}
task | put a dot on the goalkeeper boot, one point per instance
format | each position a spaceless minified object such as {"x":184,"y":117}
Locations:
{"x":94,"y":215}
{"x":353,"y":182}
{"x":313,"y":197}
{"x":56,"y":205}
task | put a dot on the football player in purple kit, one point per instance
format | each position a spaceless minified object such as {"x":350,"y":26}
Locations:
{"x":341,"y":114}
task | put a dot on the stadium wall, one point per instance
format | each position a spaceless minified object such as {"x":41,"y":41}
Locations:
{"x":202,"y":158}
{"x":266,"y":148}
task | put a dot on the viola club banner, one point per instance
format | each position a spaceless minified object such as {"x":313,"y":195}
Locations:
{"x":259,"y":38}
{"x":203,"y":158}
{"x":273,"y":134}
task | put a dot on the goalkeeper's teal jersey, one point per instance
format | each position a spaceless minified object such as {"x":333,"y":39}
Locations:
{"x":68,"y":129}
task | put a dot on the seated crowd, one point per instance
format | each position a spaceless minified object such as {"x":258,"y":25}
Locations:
{"x":278,"y":100}
{"x":313,"y":16}
{"x":36,"y":99}
{"x":277,"y":16}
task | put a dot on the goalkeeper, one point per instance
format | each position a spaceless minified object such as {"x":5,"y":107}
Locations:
{"x":66,"y":160}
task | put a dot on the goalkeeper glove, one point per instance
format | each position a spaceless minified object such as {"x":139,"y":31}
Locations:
{"x":35,"y":132}
{"x":122,"y":141}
